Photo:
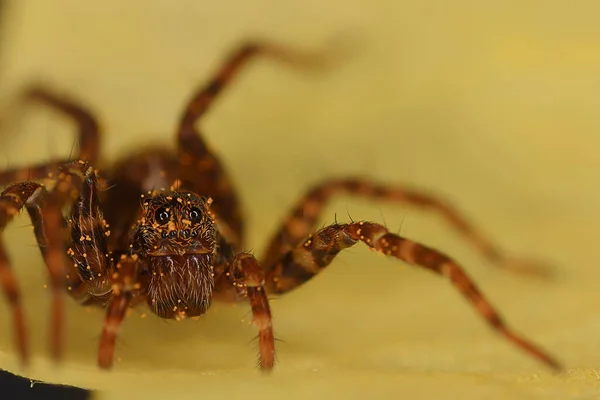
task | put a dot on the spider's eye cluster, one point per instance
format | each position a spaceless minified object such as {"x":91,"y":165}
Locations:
{"x":161,"y":215}
{"x":195,"y":214}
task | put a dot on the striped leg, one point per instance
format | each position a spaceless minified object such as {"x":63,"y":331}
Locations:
{"x":303,"y":217}
{"x":89,"y":279}
{"x":88,"y":134}
{"x":125,"y":286}
{"x":85,"y":242}
{"x":249,"y":278}
{"x":52,"y":234}
{"x":200,"y":168}
{"x":88,"y":137}
{"x":318,"y":251}
{"x":45,"y":210}
{"x":12,"y":200}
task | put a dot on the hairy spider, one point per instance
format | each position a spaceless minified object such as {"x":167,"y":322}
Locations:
{"x":182,"y":245}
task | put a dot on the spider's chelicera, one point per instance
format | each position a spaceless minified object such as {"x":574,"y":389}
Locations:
{"x":113,"y":240}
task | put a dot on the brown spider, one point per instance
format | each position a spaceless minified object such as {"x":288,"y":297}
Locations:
{"x":180,"y":248}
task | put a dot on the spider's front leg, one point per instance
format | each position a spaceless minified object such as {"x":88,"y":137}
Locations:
{"x":248,"y":279}
{"x":12,"y":200}
{"x":318,"y":251}
{"x":45,"y":210}
{"x":303,"y":217}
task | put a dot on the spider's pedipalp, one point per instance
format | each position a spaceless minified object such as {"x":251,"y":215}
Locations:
{"x":126,"y":285}
{"x":307,"y":259}
{"x":247,"y":276}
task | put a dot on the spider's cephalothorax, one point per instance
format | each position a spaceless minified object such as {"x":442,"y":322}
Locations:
{"x":173,"y":253}
{"x":174,"y":224}
{"x":175,"y":239}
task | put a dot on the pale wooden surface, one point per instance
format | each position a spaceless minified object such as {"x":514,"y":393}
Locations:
{"x":493,"y":105}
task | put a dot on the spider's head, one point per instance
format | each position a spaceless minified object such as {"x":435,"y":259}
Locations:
{"x":175,"y":223}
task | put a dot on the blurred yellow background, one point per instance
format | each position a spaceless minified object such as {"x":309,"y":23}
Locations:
{"x":492,"y":105}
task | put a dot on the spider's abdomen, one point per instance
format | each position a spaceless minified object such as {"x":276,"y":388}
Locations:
{"x":180,"y":286}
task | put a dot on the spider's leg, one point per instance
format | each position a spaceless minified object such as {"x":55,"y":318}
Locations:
{"x":88,"y":137}
{"x":200,"y":170}
{"x":98,"y":279}
{"x":73,"y":187}
{"x":12,"y":200}
{"x":246,"y":279}
{"x":304,"y":216}
{"x":44,"y":209}
{"x":32,"y":172}
{"x":89,"y":279}
{"x":318,"y":251}
{"x":203,"y":98}
{"x":126,"y":285}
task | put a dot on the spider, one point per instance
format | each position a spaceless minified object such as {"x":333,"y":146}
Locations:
{"x":169,"y":232}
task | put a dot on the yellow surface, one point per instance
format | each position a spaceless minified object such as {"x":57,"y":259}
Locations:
{"x":493,"y":105}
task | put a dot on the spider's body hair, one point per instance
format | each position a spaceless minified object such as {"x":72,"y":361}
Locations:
{"x":176,"y":253}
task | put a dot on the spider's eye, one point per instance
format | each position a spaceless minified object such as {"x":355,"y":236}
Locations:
{"x":195,"y":214}
{"x":161,"y":215}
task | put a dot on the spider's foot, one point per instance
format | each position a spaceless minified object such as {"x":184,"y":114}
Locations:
{"x":529,"y":268}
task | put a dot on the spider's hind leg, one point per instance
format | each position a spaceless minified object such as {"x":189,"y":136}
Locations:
{"x":314,"y":254}
{"x":88,"y":136}
{"x":200,"y":169}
